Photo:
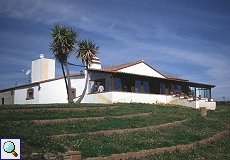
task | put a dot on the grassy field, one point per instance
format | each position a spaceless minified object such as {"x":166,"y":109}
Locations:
{"x":35,"y":137}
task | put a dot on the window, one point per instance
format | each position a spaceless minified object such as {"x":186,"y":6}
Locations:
{"x":208,"y":93}
{"x":146,"y":86}
{"x":108,"y":84}
{"x":172,"y":89}
{"x":73,"y":90}
{"x":162,"y":88}
{"x":179,"y":88}
{"x":30,"y":94}
{"x":117,"y":84}
{"x":204,"y":92}
{"x":94,"y":84}
{"x":138,"y":86}
{"x":192,"y":91}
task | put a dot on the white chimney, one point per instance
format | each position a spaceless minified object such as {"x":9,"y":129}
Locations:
{"x":95,"y":63}
{"x":42,"y":69}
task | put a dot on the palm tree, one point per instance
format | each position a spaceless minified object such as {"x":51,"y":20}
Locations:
{"x":62,"y":46}
{"x":86,"y":51}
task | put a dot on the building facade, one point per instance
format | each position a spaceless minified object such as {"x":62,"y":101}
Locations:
{"x":134,"y":82}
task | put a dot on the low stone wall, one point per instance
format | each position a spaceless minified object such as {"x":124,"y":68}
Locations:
{"x":185,"y":102}
{"x":72,"y":155}
{"x":207,"y":104}
{"x":42,"y":156}
{"x":194,"y":103}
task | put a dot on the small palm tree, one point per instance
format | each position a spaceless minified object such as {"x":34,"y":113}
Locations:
{"x":86,"y":51}
{"x":62,"y":46}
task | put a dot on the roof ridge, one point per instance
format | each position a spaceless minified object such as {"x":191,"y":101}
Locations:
{"x":115,"y":68}
{"x":168,"y":76}
{"x":121,"y":66}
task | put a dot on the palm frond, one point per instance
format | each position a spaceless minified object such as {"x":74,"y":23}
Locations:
{"x":63,"y":42}
{"x":87,"y":49}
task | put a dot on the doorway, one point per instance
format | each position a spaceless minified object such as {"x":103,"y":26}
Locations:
{"x":3,"y":101}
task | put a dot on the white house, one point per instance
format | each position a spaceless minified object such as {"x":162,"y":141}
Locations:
{"x":135,"y":82}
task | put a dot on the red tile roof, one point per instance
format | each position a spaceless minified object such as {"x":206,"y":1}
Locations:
{"x":115,"y":68}
{"x":121,"y":66}
{"x":173,"y":77}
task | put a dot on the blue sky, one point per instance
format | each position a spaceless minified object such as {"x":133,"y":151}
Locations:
{"x":189,"y":39}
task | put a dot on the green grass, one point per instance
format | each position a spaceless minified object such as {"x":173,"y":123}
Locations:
{"x":193,"y":130}
{"x":34,"y":136}
{"x":213,"y":151}
{"x":106,"y":124}
{"x":121,"y":110}
{"x":33,"y":140}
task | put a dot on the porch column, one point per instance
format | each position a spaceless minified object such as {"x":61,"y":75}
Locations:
{"x":195,"y":91}
{"x":112,"y":78}
{"x":210,"y":92}
{"x":167,"y":88}
{"x":142,"y":87}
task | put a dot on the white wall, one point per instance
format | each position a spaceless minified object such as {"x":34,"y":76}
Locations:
{"x":125,"y":97}
{"x":208,"y":105}
{"x":8,"y":97}
{"x":49,"y":92}
{"x":55,"y":91}
{"x":79,"y":84}
{"x":141,"y":69}
{"x":21,"y":95}
{"x":138,"y":98}
{"x":105,"y":97}
{"x":36,"y":71}
{"x":42,"y":69}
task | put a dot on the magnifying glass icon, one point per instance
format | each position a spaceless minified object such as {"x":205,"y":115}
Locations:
{"x":9,"y":147}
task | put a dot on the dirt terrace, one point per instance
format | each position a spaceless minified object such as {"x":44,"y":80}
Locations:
{"x":120,"y":131}
{"x":57,"y":109}
{"x":145,"y":153}
{"x":87,"y":118}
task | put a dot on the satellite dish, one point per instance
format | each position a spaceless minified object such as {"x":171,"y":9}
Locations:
{"x":28,"y":72}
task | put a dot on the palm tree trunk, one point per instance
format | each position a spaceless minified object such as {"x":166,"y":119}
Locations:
{"x":85,"y":88}
{"x":70,"y":94}
{"x":63,"y":71}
